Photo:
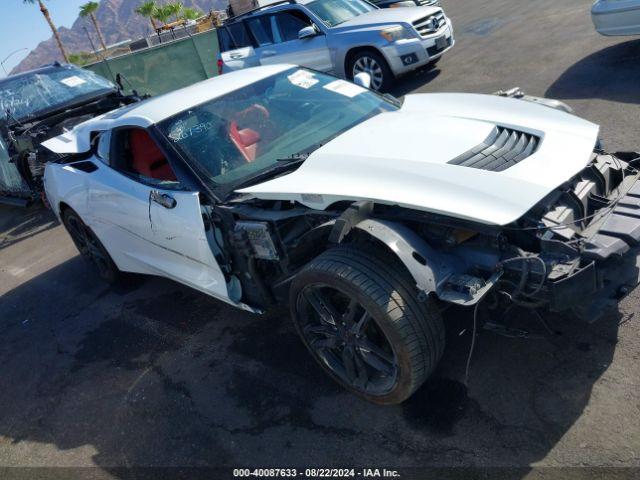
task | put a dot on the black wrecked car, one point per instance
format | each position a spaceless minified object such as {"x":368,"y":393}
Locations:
{"x":40,"y":104}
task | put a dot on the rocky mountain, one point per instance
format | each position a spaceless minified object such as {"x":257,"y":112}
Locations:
{"x":118,"y":22}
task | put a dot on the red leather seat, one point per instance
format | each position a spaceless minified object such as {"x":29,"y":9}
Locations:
{"x":147,"y":159}
{"x":246,"y":140}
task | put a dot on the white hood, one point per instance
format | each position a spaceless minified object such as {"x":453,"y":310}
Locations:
{"x":400,"y":158}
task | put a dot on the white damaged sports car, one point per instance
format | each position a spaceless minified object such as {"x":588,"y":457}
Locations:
{"x":365,"y":214}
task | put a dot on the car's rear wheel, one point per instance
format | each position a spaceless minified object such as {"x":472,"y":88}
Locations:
{"x":90,"y":248}
{"x":361,"y":319}
{"x":371,"y":62}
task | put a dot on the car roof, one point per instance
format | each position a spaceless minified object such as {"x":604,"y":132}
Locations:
{"x":54,"y":67}
{"x":266,"y":9}
{"x":161,"y":107}
{"x":156,"y":109}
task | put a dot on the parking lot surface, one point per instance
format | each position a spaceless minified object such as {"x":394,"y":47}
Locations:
{"x":153,"y":373}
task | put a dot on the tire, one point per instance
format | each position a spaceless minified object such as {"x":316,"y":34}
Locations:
{"x":406,"y":333}
{"x":90,"y":247}
{"x":373,"y":63}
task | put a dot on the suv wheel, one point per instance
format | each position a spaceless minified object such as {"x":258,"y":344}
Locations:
{"x":362,"y":321}
{"x":90,"y":248}
{"x":375,"y":65}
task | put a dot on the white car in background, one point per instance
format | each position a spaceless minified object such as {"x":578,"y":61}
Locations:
{"x":365,"y":214}
{"x":616,"y":17}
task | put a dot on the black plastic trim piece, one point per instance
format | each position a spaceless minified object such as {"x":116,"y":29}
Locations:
{"x":86,"y":166}
{"x":503,"y":148}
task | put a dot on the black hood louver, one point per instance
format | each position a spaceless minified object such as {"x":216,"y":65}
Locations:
{"x":503,"y":148}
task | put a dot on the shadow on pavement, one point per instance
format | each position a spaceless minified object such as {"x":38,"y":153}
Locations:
{"x":414,"y":80}
{"x":20,"y":223}
{"x":162,"y":375}
{"x":610,"y":74}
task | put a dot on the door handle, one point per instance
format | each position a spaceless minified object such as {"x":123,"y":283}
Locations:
{"x":163,"y":199}
{"x":268,"y":53}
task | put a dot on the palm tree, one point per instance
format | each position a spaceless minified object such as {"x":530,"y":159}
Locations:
{"x":148,"y":9}
{"x":190,"y":14}
{"x":81,"y":58}
{"x":163,"y":13}
{"x":174,"y":8}
{"x":47,"y":17}
{"x":89,"y":10}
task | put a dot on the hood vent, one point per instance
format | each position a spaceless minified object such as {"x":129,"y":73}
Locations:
{"x":502,"y":149}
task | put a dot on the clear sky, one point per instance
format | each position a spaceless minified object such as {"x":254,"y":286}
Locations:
{"x":23,"y":26}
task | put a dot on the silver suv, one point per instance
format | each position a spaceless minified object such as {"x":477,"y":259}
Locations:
{"x":343,"y":37}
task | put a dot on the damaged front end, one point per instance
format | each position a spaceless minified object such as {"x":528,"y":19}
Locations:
{"x":568,"y":252}
{"x":575,"y":250}
{"x":24,"y":155}
{"x":68,"y":97}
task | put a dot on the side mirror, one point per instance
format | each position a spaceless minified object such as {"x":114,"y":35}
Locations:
{"x":307,"y":32}
{"x":363,"y":79}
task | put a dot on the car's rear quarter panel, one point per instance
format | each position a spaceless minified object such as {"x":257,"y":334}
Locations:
{"x":65,"y":184}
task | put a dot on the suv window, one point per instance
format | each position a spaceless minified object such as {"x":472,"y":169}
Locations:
{"x":234,"y":35}
{"x":335,"y":12}
{"x":290,"y":23}
{"x":261,"y":29}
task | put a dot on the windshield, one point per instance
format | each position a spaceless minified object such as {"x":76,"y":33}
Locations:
{"x":335,"y":12}
{"x":34,"y":94}
{"x":283,"y":117}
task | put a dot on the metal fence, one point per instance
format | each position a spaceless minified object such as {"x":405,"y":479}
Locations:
{"x":10,"y":180}
{"x":165,"y":67}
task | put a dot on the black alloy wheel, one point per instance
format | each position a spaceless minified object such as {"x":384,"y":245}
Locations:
{"x":359,"y":315}
{"x":347,"y":340}
{"x":90,"y":248}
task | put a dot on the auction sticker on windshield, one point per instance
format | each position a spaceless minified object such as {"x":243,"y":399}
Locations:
{"x":303,"y":79}
{"x":345,"y":88}
{"x":73,"y":81}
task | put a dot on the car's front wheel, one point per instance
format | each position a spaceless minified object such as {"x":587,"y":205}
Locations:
{"x":90,"y":248}
{"x":371,"y":62}
{"x":361,"y":319}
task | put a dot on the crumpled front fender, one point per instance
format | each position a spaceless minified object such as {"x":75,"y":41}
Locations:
{"x":433,"y":271}
{"x":429,"y":268}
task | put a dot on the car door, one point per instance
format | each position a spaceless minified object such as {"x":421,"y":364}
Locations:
{"x":277,"y":36}
{"x":145,"y":218}
{"x":236,"y":47}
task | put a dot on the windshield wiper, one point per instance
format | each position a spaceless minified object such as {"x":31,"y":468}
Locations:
{"x":296,"y":157}
{"x":284,"y":165}
{"x":300,"y":156}
{"x":281,"y":165}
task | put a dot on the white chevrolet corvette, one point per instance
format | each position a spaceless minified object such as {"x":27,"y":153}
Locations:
{"x":365,"y":214}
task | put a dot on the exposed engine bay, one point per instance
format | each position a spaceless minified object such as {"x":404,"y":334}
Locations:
{"x":41,"y":104}
{"x":24,"y":138}
{"x":553,"y":257}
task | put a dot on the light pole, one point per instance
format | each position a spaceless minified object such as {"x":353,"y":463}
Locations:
{"x":9,"y":56}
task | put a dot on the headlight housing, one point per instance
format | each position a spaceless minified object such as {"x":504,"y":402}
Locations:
{"x":396,"y":32}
